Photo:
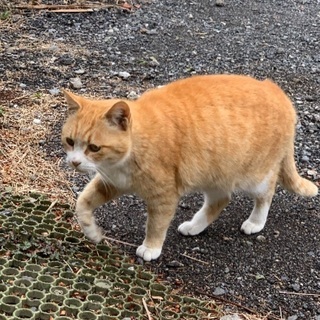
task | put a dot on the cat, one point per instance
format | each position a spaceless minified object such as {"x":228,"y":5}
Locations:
{"x":214,"y":134}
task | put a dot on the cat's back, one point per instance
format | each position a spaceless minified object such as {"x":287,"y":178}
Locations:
{"x":227,"y":96}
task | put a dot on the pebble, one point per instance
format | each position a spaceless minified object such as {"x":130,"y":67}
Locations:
{"x":296,"y":287}
{"x":65,"y":60}
{"x":220,"y":3}
{"x":76,"y":83}
{"x":154,"y":62}
{"x":175,"y":264}
{"x":36,"y":121}
{"x":54,"y":91}
{"x":261,"y":238}
{"x":294,"y":317}
{"x":132,"y":95}
{"x":312,"y":172}
{"x":219,"y":291}
{"x":79,"y":71}
{"x":231,"y":317}
{"x":124,"y":74}
{"x":22,"y":85}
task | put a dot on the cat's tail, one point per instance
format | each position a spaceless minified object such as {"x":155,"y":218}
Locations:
{"x":290,"y":179}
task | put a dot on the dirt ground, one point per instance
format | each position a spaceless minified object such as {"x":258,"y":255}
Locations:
{"x":122,"y":51}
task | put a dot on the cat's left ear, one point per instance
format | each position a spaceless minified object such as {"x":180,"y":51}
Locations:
{"x":119,"y":115}
{"x":73,"y":101}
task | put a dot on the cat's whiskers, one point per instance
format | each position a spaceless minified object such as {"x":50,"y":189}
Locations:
{"x":107,"y":181}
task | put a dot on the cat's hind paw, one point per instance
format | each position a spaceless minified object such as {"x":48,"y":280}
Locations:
{"x":249,"y":227}
{"x":93,"y":232}
{"x":148,"y":254}
{"x":188,"y":228}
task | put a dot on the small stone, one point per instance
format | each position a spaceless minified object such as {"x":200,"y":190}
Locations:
{"x":220,"y":3}
{"x":294,"y":317}
{"x":296,"y":287}
{"x":261,"y":238}
{"x":76,"y":83}
{"x":305,"y":159}
{"x":175,"y":264}
{"x":219,"y":291}
{"x":312,"y":172}
{"x":36,"y":121}
{"x":22,"y":85}
{"x":124,"y":74}
{"x":79,"y":71}
{"x":154,"y":62}
{"x":10,"y":50}
{"x":259,"y":276}
{"x":231,"y":317}
{"x":65,"y":60}
{"x":54,"y":91}
{"x":132,"y":95}
{"x":53,"y":48}
{"x":276,"y":233}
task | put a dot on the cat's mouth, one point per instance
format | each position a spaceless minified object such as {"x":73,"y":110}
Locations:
{"x":81,"y":168}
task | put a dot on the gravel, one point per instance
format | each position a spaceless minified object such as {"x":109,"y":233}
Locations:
{"x":114,"y":53}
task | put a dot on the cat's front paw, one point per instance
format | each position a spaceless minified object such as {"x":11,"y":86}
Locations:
{"x":148,"y":254}
{"x":188,"y":228}
{"x":93,"y":232}
{"x":249,"y":227}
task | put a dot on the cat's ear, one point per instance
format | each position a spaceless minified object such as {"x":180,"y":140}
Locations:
{"x":119,"y":115}
{"x":74,"y":102}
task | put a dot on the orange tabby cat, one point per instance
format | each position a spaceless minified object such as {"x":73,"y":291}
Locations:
{"x":214,"y":134}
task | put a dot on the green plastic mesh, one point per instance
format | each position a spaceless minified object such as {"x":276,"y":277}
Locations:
{"x":50,"y":271}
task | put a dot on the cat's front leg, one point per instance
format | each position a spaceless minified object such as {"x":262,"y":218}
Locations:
{"x":160,"y":214}
{"x":95,"y":194}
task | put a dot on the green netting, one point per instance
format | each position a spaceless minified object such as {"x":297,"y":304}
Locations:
{"x":50,"y":271}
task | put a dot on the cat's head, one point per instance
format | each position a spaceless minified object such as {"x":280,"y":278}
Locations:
{"x":97,"y":133}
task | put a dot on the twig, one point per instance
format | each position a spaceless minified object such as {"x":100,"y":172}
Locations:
{"x":122,"y":242}
{"x":66,"y":262}
{"x":51,"y":206}
{"x":18,"y":98}
{"x":147,"y":310}
{"x":71,"y":10}
{"x":301,"y":293}
{"x":53,"y":7}
{"x":195,"y":259}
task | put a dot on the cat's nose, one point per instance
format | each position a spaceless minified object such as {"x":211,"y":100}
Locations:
{"x":76,"y":163}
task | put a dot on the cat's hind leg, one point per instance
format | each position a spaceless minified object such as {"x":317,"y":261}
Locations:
{"x":215,"y":202}
{"x":95,"y":194}
{"x":262,"y":194}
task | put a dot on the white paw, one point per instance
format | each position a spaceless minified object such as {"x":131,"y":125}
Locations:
{"x":249,"y":227}
{"x":190,"y":229}
{"x":148,"y":254}
{"x":93,"y":232}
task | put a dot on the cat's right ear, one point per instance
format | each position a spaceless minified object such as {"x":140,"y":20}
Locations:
{"x":73,"y":101}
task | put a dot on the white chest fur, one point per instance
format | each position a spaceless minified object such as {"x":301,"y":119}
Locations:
{"x":117,"y":176}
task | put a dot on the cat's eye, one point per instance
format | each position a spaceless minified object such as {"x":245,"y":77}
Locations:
{"x":93,"y":148}
{"x":70,"y":142}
